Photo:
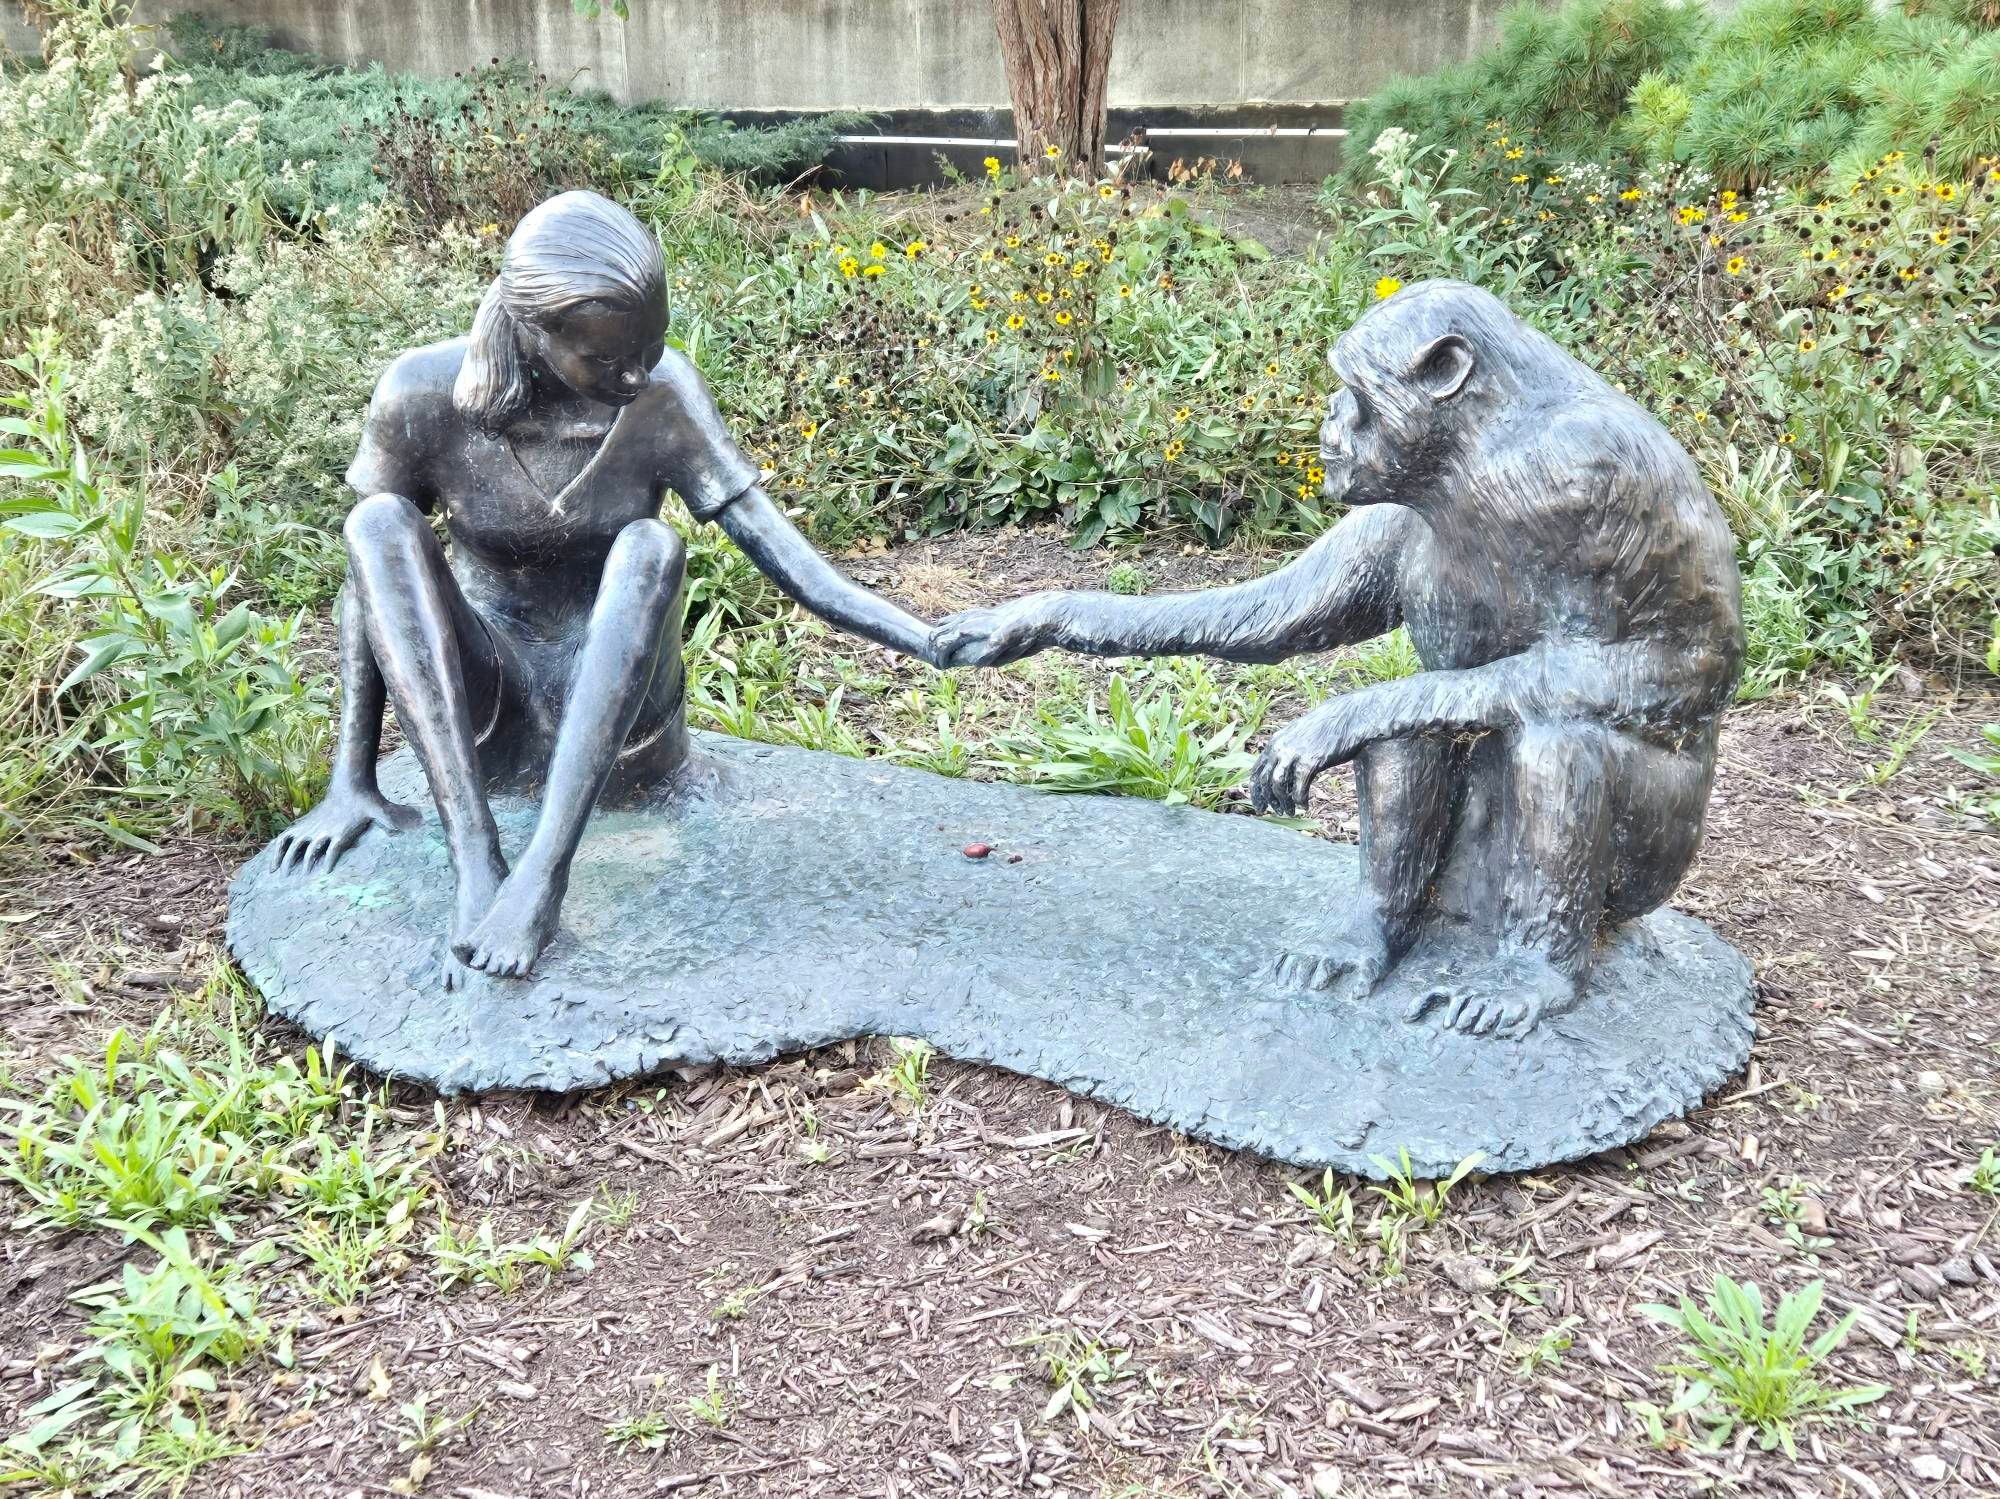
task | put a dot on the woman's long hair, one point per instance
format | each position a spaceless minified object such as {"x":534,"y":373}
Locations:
{"x":575,"y":248}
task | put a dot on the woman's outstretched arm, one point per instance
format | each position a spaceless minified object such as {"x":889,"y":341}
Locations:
{"x":758,"y":526}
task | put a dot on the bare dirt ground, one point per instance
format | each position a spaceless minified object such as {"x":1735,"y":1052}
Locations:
{"x":876,"y":1323}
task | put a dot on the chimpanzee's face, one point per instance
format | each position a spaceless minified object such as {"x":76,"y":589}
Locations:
{"x":604,"y":354}
{"x":1389,"y":434}
{"x":1355,"y":447}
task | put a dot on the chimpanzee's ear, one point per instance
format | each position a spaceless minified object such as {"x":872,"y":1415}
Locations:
{"x":1443,"y":367}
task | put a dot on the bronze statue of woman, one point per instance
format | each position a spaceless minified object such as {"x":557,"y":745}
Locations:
{"x":543,"y":648}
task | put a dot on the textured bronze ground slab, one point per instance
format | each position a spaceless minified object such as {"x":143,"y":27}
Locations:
{"x":807,"y":898}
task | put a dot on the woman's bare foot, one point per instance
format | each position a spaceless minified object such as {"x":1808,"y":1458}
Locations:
{"x":519,"y":924}
{"x":480,"y":880}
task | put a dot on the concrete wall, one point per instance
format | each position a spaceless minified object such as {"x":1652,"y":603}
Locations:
{"x":877,"y":54}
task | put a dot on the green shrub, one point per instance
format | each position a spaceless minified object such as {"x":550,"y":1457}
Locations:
{"x":171,"y":694}
{"x":1774,"y":90}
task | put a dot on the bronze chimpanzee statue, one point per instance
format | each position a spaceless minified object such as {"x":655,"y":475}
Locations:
{"x":1570,"y":586}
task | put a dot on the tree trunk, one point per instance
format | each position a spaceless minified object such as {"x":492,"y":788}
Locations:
{"x":1058,"y":55}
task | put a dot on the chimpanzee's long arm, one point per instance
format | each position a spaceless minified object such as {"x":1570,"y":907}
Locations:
{"x":1342,"y":589}
{"x":1638,"y":684}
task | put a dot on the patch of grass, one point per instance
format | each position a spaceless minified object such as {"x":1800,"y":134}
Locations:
{"x":1332,"y":1206}
{"x":1740,"y":1371}
{"x":483,"y":1259}
{"x":1405,"y":1196}
{"x":907,"y":1078}
{"x":1146,"y":746}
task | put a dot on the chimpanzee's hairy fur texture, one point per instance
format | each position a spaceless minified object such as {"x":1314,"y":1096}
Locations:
{"x":1571,"y":588}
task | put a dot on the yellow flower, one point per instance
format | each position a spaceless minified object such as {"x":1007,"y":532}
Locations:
{"x":1738,"y":217}
{"x":878,"y":250}
{"x":1807,"y":345}
{"x":807,"y":429}
{"x":1079,"y":268}
{"x":1063,"y":319}
{"x":993,"y":335}
{"x":1908,"y":273}
{"x":1106,"y":191}
{"x":1701,"y":416}
{"x":1788,"y":438}
{"x":978,"y":303}
{"x":915,"y":248}
{"x":1503,"y":139}
{"x":1305,"y":491}
{"x":1946,"y":191}
{"x":1940,"y":237}
{"x":489,"y":230}
{"x":1042,"y":296}
{"x":1181,"y":415}
{"x":1689,"y":214}
{"x":1728,"y":197}
{"x":1013,"y":241}
{"x":986,"y":208}
{"x":1735,"y":265}
{"x":1174,"y":449}
{"x":1387,"y":287}
{"x":1894,"y":189}
{"x":1052,"y":373}
{"x":1271,"y":368}
{"x":1518,"y":177}
{"x":1052,"y":152}
{"x":1316,"y":473}
{"x":1553,"y":181}
{"x":1593,"y":197}
{"x":1016,"y":321}
{"x":1124,"y":291}
{"x":1837,"y":293}
{"x":1631,"y":195}
{"x":1166,"y":283}
{"x":849,"y":266}
{"x":1284,"y":460}
{"x":1516,"y":154}
{"x":993,"y":166}
{"x":871,"y":270}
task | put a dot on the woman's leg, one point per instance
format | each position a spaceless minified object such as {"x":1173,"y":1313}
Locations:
{"x":635,"y":606}
{"x":438,"y":664}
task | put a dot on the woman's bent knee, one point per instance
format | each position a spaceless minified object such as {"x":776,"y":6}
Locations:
{"x":381,"y":518}
{"x":651,"y":551}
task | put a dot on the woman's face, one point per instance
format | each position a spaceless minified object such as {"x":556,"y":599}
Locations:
{"x":601,"y":353}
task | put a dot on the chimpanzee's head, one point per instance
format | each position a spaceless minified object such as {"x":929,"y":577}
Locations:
{"x":1423,"y":372}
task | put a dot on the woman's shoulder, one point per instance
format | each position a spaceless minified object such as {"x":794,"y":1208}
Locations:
{"x":422,"y":377}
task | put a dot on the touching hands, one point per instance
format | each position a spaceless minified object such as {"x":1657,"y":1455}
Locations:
{"x":999,"y":635}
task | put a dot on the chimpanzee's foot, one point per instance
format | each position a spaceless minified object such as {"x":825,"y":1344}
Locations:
{"x":1506,"y":996}
{"x":1347,"y":966}
{"x":520,"y":923}
{"x":480,"y":879}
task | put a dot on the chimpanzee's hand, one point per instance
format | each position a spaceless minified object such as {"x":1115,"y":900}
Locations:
{"x":1005,"y":633}
{"x":1329,"y":735}
{"x":314,"y":843}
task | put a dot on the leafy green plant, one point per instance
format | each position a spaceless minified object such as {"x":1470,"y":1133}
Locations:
{"x":1985,"y":1176}
{"x":1742,"y":1372}
{"x":713,"y":1405}
{"x":1332,"y":1206}
{"x":181,"y":686}
{"x":1405,"y":1196}
{"x":1143,"y":746}
{"x":1077,"y":1368}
